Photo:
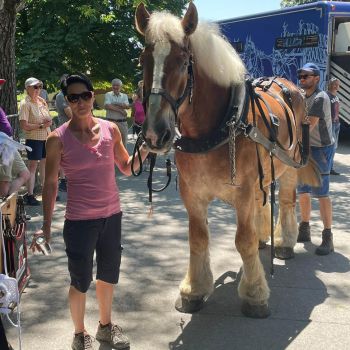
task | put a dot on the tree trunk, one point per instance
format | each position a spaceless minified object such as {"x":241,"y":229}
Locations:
{"x":8,"y":96}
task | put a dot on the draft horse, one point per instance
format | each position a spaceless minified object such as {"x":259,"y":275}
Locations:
{"x":194,"y":82}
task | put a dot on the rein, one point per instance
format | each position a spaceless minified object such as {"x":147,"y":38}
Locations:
{"x":153,"y":156}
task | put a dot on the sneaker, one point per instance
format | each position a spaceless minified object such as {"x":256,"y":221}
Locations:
{"x":82,"y":341}
{"x":31,"y":200}
{"x":113,"y":335}
{"x":304,"y":232}
{"x":62,"y":185}
{"x":333,"y":172}
{"x":326,"y":246}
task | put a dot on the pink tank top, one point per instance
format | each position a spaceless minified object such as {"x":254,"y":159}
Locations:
{"x":92,"y":192}
{"x":139,"y":112}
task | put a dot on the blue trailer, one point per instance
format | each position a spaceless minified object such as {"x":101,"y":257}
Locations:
{"x":279,"y":42}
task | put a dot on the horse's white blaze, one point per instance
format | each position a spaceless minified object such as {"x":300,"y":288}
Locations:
{"x":161,"y":51}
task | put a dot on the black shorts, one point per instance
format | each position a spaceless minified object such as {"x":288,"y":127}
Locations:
{"x":38,"y":149}
{"x":82,"y":238}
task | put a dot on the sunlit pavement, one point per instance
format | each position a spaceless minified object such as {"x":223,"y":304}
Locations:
{"x":310,"y":295}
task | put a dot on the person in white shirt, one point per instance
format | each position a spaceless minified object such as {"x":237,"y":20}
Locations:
{"x":116,"y":104}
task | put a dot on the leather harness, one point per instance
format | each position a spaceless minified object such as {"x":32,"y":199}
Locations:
{"x":243,"y":96}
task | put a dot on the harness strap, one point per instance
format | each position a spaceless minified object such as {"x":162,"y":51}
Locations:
{"x":288,"y":119}
{"x":261,"y":175}
{"x":273,"y":201}
{"x":257,"y":136}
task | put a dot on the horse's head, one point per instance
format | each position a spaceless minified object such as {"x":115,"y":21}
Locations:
{"x":165,"y":61}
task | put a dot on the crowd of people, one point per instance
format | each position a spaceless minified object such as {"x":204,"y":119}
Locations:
{"x":93,"y":213}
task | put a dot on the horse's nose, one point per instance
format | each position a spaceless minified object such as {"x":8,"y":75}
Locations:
{"x":164,"y":139}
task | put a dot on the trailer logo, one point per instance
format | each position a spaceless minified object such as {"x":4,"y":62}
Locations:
{"x":295,"y":41}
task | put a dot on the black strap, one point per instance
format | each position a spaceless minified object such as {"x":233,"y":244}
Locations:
{"x":273,"y":201}
{"x":261,"y":175}
{"x":137,"y":152}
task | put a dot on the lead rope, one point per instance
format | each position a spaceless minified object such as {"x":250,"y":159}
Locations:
{"x":136,"y":152}
{"x":153,"y":157}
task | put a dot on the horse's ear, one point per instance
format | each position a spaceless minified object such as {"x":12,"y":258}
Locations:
{"x":141,"y":18}
{"x":190,"y":20}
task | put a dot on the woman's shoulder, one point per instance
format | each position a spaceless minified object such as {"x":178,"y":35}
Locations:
{"x":25,"y":100}
{"x":61,"y":130}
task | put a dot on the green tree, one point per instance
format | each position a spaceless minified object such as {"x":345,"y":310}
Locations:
{"x":93,"y":36}
{"x":8,"y":10}
{"x":288,"y":3}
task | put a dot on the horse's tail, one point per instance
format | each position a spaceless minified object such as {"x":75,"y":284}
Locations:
{"x":310,"y":174}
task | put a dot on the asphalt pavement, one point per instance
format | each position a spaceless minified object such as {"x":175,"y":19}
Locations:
{"x":310,"y":294}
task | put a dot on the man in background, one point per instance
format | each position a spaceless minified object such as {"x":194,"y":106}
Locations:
{"x":116,"y":104}
{"x":321,"y":141}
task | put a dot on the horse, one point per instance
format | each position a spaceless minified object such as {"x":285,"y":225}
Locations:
{"x":193,"y":79}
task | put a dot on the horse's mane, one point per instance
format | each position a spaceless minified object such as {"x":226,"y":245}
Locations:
{"x":216,"y":57}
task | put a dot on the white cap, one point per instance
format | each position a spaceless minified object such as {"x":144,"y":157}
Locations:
{"x":31,"y":82}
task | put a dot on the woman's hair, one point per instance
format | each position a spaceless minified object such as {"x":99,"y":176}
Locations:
{"x":76,"y":78}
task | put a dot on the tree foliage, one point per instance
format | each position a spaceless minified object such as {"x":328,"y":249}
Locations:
{"x":289,"y":3}
{"x":95,"y":36}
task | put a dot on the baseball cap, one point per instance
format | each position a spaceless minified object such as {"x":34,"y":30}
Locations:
{"x":31,"y":82}
{"x":2,"y":81}
{"x":310,"y":67}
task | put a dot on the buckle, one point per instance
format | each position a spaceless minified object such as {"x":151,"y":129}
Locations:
{"x":274,"y":120}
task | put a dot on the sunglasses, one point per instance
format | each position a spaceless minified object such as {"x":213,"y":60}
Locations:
{"x":305,"y":76}
{"x":36,"y":87}
{"x":85,"y":96}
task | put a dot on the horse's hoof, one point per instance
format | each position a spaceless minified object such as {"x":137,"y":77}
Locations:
{"x":255,"y":311}
{"x":284,"y":253}
{"x":188,"y":306}
{"x":262,"y":245}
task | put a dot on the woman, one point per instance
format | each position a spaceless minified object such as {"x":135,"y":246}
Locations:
{"x":137,"y":113}
{"x":87,"y":148}
{"x":35,"y":120}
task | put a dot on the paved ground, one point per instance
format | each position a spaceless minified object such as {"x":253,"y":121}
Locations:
{"x":310,"y":295}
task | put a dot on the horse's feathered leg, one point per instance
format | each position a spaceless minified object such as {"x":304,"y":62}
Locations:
{"x":198,"y":282}
{"x":286,"y":230}
{"x":253,"y":288}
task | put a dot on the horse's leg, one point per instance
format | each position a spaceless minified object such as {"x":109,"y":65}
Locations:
{"x":262,"y":216}
{"x":253,"y":288}
{"x":198,"y":282}
{"x":286,"y":230}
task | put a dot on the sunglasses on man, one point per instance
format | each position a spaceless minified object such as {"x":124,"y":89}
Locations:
{"x":74,"y":98}
{"x":305,"y":76}
{"x":36,"y":87}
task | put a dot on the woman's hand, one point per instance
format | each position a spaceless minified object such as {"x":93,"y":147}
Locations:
{"x":47,"y":123}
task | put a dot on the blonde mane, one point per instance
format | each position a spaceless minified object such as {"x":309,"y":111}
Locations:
{"x":212,"y":53}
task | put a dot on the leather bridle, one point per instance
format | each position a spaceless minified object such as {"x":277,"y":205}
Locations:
{"x":174,"y":103}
